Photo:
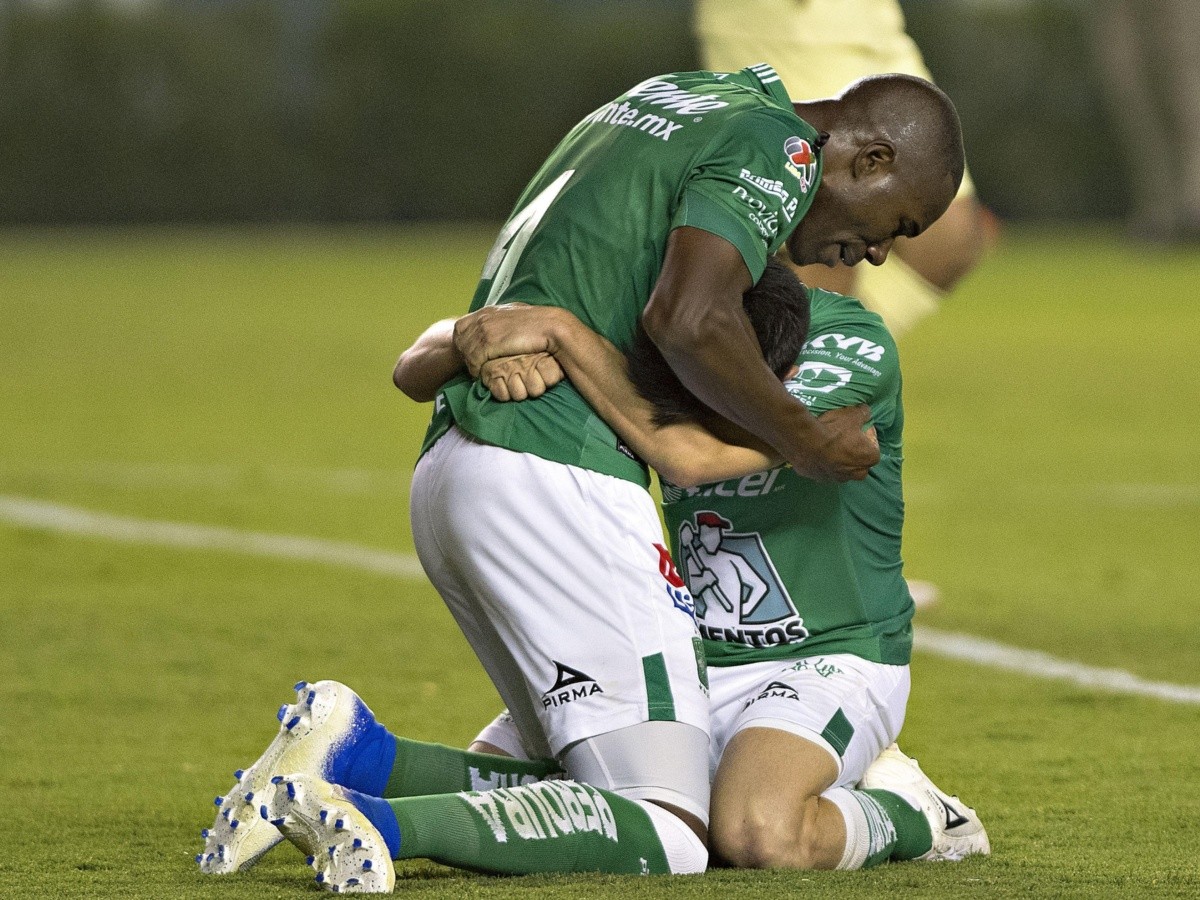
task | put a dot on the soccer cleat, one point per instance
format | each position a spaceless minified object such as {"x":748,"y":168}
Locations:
{"x":346,"y":851}
{"x":957,"y":831}
{"x":328,"y":732}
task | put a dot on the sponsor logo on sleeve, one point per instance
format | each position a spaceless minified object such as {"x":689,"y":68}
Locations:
{"x":853,"y":351}
{"x":819,"y":378}
{"x":801,"y":161}
{"x":772,"y":187}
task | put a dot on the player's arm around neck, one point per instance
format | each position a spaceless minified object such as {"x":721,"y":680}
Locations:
{"x":684,"y":453}
{"x":695,"y":318}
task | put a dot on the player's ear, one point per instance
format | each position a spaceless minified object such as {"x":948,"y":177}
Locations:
{"x":791,"y":373}
{"x":875,"y":158}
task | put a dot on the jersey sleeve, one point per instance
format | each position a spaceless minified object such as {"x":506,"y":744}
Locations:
{"x":747,"y":186}
{"x":848,"y":363}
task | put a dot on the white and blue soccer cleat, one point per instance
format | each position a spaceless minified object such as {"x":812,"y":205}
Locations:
{"x":345,"y":849}
{"x":957,"y":831}
{"x":328,"y":732}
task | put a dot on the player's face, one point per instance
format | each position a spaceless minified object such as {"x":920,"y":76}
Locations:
{"x":859,"y":219}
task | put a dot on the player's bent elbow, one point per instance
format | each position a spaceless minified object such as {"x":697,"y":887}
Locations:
{"x":412,"y":387}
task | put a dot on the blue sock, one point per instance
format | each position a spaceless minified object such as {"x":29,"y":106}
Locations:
{"x":364,"y":762}
{"x":380,"y":813}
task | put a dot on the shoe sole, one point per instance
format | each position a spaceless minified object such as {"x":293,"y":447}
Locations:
{"x":239,"y":836}
{"x":347,"y":852}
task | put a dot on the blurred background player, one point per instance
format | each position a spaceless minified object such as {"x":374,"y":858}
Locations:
{"x":1149,"y":56}
{"x":818,"y":47}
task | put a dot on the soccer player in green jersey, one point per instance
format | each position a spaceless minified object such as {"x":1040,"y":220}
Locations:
{"x":533,"y":520}
{"x":799,"y":595}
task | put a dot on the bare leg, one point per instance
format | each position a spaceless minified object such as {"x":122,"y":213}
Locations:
{"x":775,"y":822}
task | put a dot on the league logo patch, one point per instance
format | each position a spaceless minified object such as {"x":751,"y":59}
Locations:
{"x":802,"y":161}
{"x":676,"y":586}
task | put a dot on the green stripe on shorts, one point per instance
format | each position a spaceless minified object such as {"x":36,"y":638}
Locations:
{"x":659,"y":700}
{"x":838,"y":732}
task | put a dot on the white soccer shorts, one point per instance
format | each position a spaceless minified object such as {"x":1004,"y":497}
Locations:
{"x":559,"y":579}
{"x":850,"y":706}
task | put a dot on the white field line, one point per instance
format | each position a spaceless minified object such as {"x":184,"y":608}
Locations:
{"x":29,"y":513}
{"x":186,"y":476}
{"x":73,"y":520}
{"x":1042,"y":665}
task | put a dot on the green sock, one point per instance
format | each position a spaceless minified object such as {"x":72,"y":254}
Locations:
{"x":913,"y":837}
{"x":552,"y":826}
{"x":422,"y":768}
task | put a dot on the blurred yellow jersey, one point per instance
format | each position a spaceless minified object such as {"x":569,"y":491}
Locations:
{"x":817,"y":46}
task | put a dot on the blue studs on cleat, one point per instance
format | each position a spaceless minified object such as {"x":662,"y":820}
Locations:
{"x":339,"y":825}
{"x":262,"y":811}
{"x":367,"y":864}
{"x":357,"y":843}
{"x":217,"y":801}
{"x":199,"y":857}
{"x":225,"y":813}
{"x":331,"y":849}
{"x":233,"y":825}
{"x":320,"y":878}
{"x":312,"y":695}
{"x":278,"y":823}
{"x":309,"y":860}
{"x":203,"y":832}
{"x":292,"y":723}
{"x":300,"y":685}
{"x":282,"y":712}
{"x":239,"y":773}
{"x":291,"y":788}
{"x":277,"y":779}
{"x":324,"y":815}
{"x":249,"y":796}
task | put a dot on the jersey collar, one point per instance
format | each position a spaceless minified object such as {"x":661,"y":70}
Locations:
{"x":764,"y":78}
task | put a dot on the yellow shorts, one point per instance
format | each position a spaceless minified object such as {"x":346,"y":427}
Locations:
{"x":817,"y":46}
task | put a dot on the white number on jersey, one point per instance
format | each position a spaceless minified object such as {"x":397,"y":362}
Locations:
{"x":516,"y":233}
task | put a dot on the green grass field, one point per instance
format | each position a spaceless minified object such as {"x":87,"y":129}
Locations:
{"x":242,"y":380}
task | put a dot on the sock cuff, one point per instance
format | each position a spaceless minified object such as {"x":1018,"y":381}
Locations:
{"x":381,"y":815}
{"x":685,"y":853}
{"x":858,"y":838}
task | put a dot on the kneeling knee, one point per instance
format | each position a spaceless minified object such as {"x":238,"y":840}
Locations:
{"x":756,"y":841}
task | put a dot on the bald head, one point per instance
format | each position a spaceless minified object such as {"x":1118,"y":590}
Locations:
{"x":892,"y":164}
{"x":915,"y":115}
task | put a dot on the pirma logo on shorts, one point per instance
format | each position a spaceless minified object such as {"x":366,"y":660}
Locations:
{"x":569,"y":685}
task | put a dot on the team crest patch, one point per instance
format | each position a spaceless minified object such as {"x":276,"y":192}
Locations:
{"x":739,"y":595}
{"x":802,"y":161}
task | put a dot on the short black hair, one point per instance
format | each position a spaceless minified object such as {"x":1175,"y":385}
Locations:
{"x":777,"y":307}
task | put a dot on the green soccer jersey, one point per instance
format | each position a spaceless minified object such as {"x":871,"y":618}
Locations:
{"x":780,"y":566}
{"x":721,"y":152}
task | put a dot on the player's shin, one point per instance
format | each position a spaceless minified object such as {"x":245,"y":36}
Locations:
{"x":422,"y":768}
{"x":554,"y":826}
